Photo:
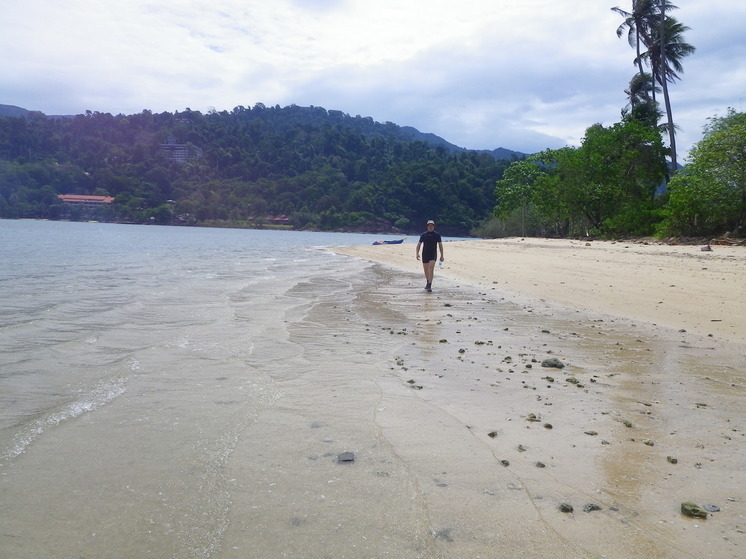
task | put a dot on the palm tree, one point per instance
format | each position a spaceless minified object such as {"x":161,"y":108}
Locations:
{"x":642,"y":105}
{"x":664,"y":54}
{"x":635,"y":23}
{"x":649,"y":25}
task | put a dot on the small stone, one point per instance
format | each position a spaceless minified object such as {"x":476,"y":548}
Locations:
{"x":492,"y":434}
{"x":565,"y":507}
{"x":548,"y":426}
{"x":540,"y":465}
{"x":553,"y":362}
{"x":649,"y":442}
{"x":711,"y":508}
{"x":672,"y":460}
{"x":590,"y":507}
{"x":693,"y":510}
{"x":505,"y":463}
{"x":591,"y":433}
{"x":346,"y":457}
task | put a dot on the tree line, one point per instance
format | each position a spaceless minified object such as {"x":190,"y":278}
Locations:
{"x":321,"y":169}
{"x":623,"y":180}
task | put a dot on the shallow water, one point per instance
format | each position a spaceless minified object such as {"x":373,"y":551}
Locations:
{"x":131,"y":360}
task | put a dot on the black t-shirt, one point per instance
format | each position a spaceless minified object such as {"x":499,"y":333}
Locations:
{"x":430,"y":240}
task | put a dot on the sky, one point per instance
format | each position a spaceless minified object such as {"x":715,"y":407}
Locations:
{"x":526,"y":75}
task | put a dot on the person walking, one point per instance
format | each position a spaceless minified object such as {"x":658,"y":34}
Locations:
{"x":430,"y":241}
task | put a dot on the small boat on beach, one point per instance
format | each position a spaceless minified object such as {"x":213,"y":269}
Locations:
{"x":392,"y":242}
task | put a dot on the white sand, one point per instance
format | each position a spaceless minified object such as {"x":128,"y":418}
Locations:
{"x":647,"y":413}
{"x":679,"y":287}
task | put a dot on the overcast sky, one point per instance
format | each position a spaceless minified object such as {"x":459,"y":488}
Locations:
{"x":520,"y":74}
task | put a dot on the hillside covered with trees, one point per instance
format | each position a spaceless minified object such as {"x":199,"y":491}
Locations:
{"x":305,"y":167}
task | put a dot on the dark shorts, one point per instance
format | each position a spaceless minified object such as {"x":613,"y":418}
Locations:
{"x":428,"y":257}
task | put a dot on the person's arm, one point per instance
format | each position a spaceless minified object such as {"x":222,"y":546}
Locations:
{"x":440,"y":246}
{"x":419,"y":244}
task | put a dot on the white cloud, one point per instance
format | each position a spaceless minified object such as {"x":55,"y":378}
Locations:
{"x":521,"y":74}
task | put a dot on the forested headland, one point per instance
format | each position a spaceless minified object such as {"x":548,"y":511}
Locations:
{"x":299,"y":167}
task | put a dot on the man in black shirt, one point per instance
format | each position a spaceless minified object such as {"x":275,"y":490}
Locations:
{"x":430,"y":242}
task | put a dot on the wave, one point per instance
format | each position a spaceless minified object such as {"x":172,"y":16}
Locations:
{"x":99,"y":395}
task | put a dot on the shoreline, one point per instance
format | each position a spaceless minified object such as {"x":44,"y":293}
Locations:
{"x":679,"y":287}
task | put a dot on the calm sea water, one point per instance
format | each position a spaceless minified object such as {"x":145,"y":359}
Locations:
{"x":131,"y":359}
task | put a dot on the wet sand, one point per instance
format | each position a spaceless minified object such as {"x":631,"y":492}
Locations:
{"x":485,"y":444}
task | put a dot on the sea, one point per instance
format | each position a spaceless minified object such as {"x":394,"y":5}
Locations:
{"x":134,"y":358}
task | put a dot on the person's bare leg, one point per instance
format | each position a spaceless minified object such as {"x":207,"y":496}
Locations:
{"x":429,"y":268}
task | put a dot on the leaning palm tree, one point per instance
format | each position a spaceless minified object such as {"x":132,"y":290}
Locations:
{"x":666,"y":50}
{"x":635,"y":24}
{"x":649,"y":26}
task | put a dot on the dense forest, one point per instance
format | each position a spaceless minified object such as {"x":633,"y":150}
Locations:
{"x":304,"y":167}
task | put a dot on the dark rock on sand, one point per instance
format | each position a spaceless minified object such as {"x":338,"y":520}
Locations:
{"x":346,"y":457}
{"x":590,"y":507}
{"x":565,"y":507}
{"x":553,"y":362}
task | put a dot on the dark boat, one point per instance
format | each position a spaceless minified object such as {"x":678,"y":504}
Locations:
{"x":394,"y":242}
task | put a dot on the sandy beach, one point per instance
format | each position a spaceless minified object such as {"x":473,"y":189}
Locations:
{"x":639,"y":411}
{"x":677,"y":287}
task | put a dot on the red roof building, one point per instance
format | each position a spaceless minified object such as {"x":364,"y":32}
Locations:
{"x":85,"y":200}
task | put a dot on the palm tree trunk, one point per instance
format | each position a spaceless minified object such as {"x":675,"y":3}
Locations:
{"x":664,"y":84}
{"x":671,"y":130}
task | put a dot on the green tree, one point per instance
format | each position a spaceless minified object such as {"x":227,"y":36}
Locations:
{"x":516,"y":189}
{"x":708,"y":196}
{"x":606,"y":184}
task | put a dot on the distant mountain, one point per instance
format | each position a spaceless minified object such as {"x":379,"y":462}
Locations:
{"x":407,"y":132}
{"x":12,"y":110}
{"x":365,"y":125}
